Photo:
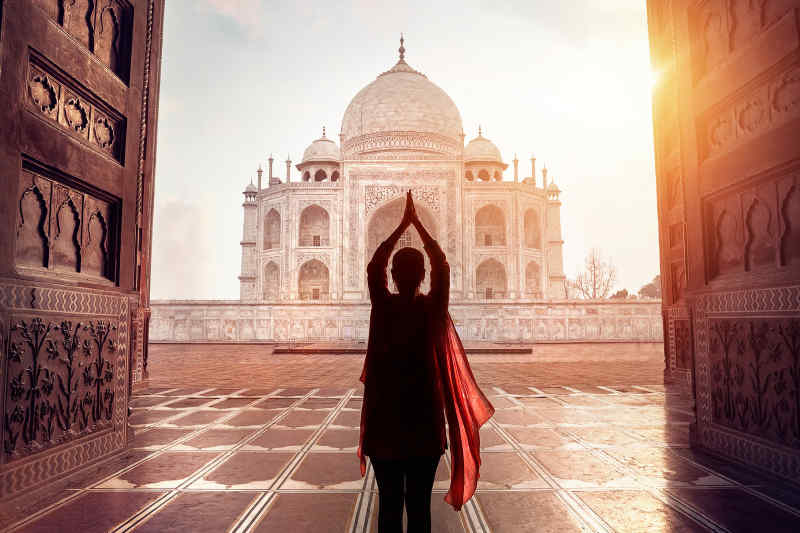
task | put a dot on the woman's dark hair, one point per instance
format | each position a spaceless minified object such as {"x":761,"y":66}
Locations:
{"x":408,"y":267}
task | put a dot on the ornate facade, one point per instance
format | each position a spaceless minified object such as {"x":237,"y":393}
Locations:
{"x":308,"y":240}
{"x":728,"y":170}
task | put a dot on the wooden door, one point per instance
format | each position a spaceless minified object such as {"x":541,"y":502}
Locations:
{"x":79,"y":88}
{"x":727,"y":123}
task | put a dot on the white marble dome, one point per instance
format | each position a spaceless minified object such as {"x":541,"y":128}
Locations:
{"x":323,"y":149}
{"x":481,"y":149}
{"x":401,"y":100}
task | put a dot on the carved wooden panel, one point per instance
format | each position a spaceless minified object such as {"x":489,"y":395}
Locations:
{"x":62,"y":228}
{"x":53,"y":95}
{"x":102,"y":26}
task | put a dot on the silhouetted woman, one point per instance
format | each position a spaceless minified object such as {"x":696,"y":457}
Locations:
{"x":415,"y":374}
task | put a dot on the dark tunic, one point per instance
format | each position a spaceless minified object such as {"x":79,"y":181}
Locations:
{"x":403,"y":407}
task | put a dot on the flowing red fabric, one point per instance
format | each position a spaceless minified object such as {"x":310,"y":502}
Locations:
{"x":466,"y":409}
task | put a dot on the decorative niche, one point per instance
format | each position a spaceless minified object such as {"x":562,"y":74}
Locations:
{"x":64,"y":227}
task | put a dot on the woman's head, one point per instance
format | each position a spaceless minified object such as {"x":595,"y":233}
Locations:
{"x":408,"y":269}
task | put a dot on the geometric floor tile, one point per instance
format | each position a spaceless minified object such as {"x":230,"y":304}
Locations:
{"x":637,"y":512}
{"x":283,"y":439}
{"x":512,"y":512}
{"x":553,"y":459}
{"x":93,"y":512}
{"x":198,"y":512}
{"x":507,"y":471}
{"x":578,"y":468}
{"x":308,"y":513}
{"x":326,"y":471}
{"x":740,"y":511}
{"x":245,"y":470}
{"x":167,"y":470}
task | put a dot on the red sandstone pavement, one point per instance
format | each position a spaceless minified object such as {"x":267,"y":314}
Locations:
{"x":584,"y":438}
{"x":254,"y":365}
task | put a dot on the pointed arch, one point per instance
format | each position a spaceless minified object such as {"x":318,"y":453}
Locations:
{"x":313,"y":281}
{"x":320,"y":175}
{"x":272,"y":230}
{"x":66,"y":241}
{"x":314,"y":227}
{"x":271,"y":282}
{"x":533,"y":229}
{"x":96,"y":245}
{"x":533,"y":280}
{"x":490,"y":226}
{"x":306,"y":176}
{"x":469,"y":176}
{"x":32,"y":240}
{"x":790,"y":243}
{"x":483,"y":175}
{"x":490,"y":279}
{"x":760,"y":245}
{"x":335,"y":175}
{"x":384,"y":220}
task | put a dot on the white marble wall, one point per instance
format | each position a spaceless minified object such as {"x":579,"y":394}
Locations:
{"x":564,"y":321}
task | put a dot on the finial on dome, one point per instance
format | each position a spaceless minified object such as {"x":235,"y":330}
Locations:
{"x":323,"y":131}
{"x":402,"y":49}
{"x":480,"y":131}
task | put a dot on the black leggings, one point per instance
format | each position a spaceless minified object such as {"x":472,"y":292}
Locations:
{"x":419,"y":473}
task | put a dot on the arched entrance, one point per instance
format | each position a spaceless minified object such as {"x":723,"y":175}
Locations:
{"x":383,"y":222}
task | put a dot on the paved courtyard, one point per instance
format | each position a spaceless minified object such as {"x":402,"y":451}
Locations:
{"x":608,"y":455}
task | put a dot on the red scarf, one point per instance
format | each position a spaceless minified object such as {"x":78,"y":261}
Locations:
{"x":466,"y":408}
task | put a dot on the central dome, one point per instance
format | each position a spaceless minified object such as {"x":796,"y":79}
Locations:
{"x":401,"y":101}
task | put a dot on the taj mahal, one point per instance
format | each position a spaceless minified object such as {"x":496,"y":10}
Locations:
{"x":310,"y":230}
{"x":309,"y":238}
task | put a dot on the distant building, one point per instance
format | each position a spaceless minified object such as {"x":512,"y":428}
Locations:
{"x":309,"y":240}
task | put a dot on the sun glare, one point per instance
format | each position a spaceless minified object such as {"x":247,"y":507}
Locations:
{"x":655,"y":78}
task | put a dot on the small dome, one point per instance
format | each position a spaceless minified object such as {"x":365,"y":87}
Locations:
{"x":481,"y":149}
{"x":251,"y":188}
{"x":553,"y":187}
{"x":323,"y":149}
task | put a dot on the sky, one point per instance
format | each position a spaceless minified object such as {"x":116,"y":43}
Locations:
{"x":568,"y":81}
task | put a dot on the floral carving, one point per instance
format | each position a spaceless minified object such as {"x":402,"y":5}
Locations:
{"x":103,"y":132}
{"x":75,"y":114}
{"x":755,"y":371}
{"x":787,"y":92}
{"x":752,"y":116}
{"x":73,"y":109}
{"x":43,"y":93}
{"x":720,"y":132}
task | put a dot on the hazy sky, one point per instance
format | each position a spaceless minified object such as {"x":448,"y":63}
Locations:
{"x":568,"y":81}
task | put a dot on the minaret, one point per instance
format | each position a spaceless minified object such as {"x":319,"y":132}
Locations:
{"x":288,"y":169}
{"x":247,"y":279}
{"x":260,"y":171}
{"x":544,"y":178}
{"x":516,"y":169}
{"x":554,"y":243}
{"x":269,"y":171}
{"x":533,"y":170}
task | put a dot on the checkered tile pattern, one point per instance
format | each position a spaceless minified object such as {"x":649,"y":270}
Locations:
{"x":559,"y":458}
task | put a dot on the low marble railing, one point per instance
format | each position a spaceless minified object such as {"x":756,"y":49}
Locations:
{"x":553,"y":321}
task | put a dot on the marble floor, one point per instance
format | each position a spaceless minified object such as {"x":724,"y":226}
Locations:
{"x":555,"y":459}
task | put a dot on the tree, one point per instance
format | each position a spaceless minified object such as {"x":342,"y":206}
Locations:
{"x":652,"y":289}
{"x":621,"y":294}
{"x":598,"y":278}
{"x":568,"y":289}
